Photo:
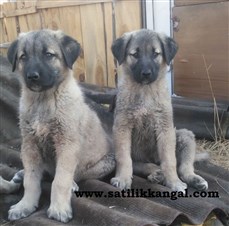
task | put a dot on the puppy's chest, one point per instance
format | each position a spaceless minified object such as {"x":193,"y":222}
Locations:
{"x":144,"y":125}
{"x":44,"y":133}
{"x":145,"y":113}
{"x":144,"y":110}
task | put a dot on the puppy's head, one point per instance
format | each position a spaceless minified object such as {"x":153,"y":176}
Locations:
{"x":144,"y":54}
{"x":42,"y":57}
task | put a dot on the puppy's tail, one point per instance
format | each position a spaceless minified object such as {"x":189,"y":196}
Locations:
{"x":201,"y":155}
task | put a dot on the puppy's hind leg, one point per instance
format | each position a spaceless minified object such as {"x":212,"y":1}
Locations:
{"x":101,"y":169}
{"x":7,"y":187}
{"x":185,"y":153}
{"x":152,"y":171}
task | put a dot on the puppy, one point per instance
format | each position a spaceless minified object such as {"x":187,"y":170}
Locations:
{"x":143,"y":127}
{"x":60,"y":133}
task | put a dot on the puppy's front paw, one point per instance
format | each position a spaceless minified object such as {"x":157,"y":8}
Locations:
{"x":20,"y":210}
{"x":178,"y":185}
{"x":198,"y":182}
{"x":61,"y":213}
{"x":121,"y":182}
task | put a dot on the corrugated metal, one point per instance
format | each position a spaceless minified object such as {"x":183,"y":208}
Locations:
{"x":134,"y":211}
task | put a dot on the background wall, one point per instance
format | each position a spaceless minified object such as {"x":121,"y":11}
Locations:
{"x":201,"y":29}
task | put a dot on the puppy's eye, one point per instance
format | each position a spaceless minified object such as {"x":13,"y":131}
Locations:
{"x":155,"y":54}
{"x":49,"y":55}
{"x":23,"y":57}
{"x":135,"y":55}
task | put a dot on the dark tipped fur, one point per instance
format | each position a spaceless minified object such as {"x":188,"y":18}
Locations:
{"x":12,"y":54}
{"x":70,"y":49}
{"x":170,"y":48}
{"x":119,"y":47}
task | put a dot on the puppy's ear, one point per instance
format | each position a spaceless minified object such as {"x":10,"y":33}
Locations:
{"x":12,"y":54}
{"x":169,"y":48}
{"x":119,"y":47}
{"x":70,"y":49}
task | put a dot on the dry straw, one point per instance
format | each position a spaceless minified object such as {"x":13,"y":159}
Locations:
{"x":219,"y":148}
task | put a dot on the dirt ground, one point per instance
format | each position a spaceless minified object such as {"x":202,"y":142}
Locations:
{"x":218,"y":151}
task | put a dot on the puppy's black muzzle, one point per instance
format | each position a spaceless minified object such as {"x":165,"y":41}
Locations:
{"x":33,"y":76}
{"x":146,"y":75}
{"x":39,"y":75}
{"x":145,"y":71}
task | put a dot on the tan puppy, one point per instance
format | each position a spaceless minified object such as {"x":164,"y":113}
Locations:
{"x":60,"y":132}
{"x":143,"y":127}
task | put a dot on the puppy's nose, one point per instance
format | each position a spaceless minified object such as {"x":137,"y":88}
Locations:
{"x":33,"y":75}
{"x":146,"y":73}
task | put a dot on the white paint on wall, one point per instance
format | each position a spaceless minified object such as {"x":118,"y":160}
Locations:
{"x":149,"y":14}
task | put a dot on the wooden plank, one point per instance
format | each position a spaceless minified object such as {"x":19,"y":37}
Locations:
{"x":195,"y":2}
{"x":22,"y":20}
{"x":1,"y":11}
{"x":203,"y":90}
{"x":94,"y":44}
{"x":3,"y":38}
{"x":23,"y":7}
{"x":108,"y":20}
{"x":30,"y":21}
{"x":26,"y":4}
{"x":50,"y":18}
{"x":127,"y":16}
{"x":193,"y":64}
{"x":69,"y":14}
{"x":10,"y":24}
{"x":203,"y":31}
{"x":33,"y":22}
{"x":43,"y":4}
{"x":19,"y":12}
